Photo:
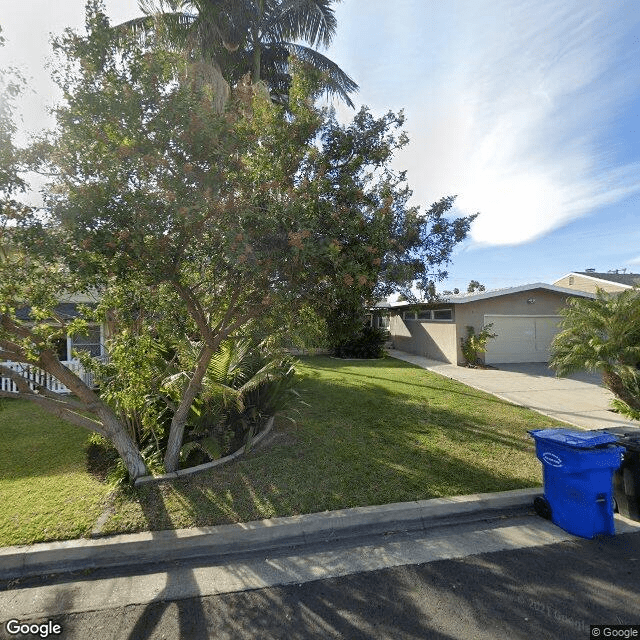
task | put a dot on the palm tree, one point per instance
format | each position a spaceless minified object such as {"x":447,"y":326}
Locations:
{"x":249,"y":36}
{"x":603,"y":334}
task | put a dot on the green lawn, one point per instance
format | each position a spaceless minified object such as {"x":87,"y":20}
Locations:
{"x":45,"y":491}
{"x":373,"y":433}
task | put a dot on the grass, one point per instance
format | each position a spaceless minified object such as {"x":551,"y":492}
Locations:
{"x":45,"y":491}
{"x":373,"y":433}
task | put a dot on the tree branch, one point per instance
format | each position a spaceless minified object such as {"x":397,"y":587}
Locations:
{"x":58,"y":409}
{"x":230,"y":310}
{"x":196,"y":310}
{"x":20,"y":381}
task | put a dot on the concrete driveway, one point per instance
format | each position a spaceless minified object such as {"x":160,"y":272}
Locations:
{"x":579,"y":400}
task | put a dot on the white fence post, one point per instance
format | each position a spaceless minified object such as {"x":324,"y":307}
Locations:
{"x":42,"y":378}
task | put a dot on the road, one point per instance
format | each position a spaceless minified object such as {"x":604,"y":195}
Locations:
{"x":539,"y":591}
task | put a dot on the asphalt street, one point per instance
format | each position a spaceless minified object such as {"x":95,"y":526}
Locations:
{"x":553,"y":591}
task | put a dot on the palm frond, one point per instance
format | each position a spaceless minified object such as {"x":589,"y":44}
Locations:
{"x":337,"y":82}
{"x":311,"y":21}
{"x":172,"y":29}
{"x":208,"y":446}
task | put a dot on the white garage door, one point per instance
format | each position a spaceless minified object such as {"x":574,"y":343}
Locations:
{"x":521,"y":338}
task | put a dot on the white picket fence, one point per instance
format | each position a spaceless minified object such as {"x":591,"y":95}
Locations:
{"x":42,"y":378}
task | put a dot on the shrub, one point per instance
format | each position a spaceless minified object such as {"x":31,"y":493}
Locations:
{"x":245,"y":386}
{"x":476,"y":343}
{"x":367,"y":343}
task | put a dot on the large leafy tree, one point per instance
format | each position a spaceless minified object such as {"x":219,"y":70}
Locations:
{"x":11,"y":85}
{"x":257,"y":37}
{"x":211,"y":220}
{"x":172,"y":195}
{"x":603,"y":334}
{"x":377,"y":242}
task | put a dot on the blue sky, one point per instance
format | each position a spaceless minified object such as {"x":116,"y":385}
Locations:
{"x":528,"y":111}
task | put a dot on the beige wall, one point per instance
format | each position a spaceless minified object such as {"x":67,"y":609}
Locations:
{"x":547,"y":303}
{"x":582,"y":283}
{"x":431,"y":339}
{"x":441,"y":340}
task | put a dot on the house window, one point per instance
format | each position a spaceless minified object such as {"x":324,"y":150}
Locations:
{"x":383,"y":322}
{"x":442,"y":314}
{"x":571,"y":279}
{"x":61,"y":349}
{"x":425,"y":314}
{"x":91,"y":342}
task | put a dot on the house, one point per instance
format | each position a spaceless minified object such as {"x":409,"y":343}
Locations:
{"x":525,"y":319}
{"x":589,"y":280}
{"x":92,"y":342}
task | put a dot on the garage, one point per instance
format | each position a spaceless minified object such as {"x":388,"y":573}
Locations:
{"x":525,"y":318}
{"x":521,"y":338}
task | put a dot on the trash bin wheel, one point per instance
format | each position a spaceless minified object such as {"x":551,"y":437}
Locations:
{"x":542,"y":507}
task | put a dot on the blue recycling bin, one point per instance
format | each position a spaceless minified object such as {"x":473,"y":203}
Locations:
{"x":578,"y":468}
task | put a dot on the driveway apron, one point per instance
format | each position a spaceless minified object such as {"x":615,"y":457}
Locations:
{"x":579,"y":400}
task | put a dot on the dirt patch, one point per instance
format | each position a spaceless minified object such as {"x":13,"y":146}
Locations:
{"x":276,"y":438}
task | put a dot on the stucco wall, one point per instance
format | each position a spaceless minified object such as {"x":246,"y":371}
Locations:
{"x":431,"y":339}
{"x":582,"y":283}
{"x":547,"y":303}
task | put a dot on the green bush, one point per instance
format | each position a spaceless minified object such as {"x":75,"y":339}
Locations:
{"x":476,"y":343}
{"x":367,"y":343}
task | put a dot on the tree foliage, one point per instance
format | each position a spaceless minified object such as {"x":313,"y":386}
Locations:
{"x":189,"y":226}
{"x":375,"y":241}
{"x":603,"y":334}
{"x":11,"y":86}
{"x":257,"y":37}
{"x":474,"y":285}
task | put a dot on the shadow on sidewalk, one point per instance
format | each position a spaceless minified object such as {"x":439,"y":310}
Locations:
{"x":191,"y":619}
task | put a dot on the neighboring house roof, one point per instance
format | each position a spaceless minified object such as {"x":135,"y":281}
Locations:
{"x":626,"y":280}
{"x":493,"y":293}
{"x":67,"y":310}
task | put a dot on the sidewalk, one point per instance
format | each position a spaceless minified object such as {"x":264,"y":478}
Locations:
{"x":155,"y":569}
{"x":579,"y":400}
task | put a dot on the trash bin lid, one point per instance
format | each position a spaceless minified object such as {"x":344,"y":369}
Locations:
{"x":622,"y":431}
{"x":626,"y":435}
{"x":571,"y":438}
{"x":631,"y":442}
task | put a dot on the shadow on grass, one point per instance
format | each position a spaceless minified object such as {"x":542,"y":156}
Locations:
{"x":357,"y":447}
{"x":35,"y":444}
{"x":446,"y":385}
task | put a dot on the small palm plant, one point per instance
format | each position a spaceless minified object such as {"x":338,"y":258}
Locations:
{"x":603,"y":334}
{"x":244,"y":387}
{"x":476,"y":343}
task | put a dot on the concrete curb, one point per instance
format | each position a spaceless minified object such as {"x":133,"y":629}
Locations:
{"x":183,"y":473}
{"x":233,"y":539}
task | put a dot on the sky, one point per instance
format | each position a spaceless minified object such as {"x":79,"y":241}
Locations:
{"x":528,"y":111}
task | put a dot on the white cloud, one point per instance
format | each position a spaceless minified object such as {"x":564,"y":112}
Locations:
{"x":516,"y":121}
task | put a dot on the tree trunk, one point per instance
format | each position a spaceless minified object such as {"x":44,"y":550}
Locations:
{"x":257,"y":62}
{"x":257,"y":49}
{"x":172,"y":457}
{"x":615,"y":384}
{"x":124,"y":445}
{"x":113,"y":428}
